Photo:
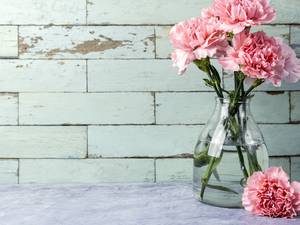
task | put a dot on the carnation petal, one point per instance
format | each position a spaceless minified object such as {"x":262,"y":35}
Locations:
{"x":277,"y":172}
{"x":240,"y":38}
{"x":245,"y":200}
{"x":181,"y":59}
{"x":296,"y":201}
{"x":229,"y":63}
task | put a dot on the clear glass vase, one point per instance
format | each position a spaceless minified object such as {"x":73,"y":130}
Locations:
{"x":230,"y":148}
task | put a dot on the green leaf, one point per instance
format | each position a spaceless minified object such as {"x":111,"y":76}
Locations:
{"x":221,"y":188}
{"x":241,"y":182}
{"x":201,"y":159}
{"x":216,"y":175}
{"x":217,"y":161}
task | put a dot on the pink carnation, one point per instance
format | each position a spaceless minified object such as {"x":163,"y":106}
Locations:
{"x":208,"y":12}
{"x":290,"y":62}
{"x":258,"y":56}
{"x":235,"y":15}
{"x":195,"y":39}
{"x":271,"y":194}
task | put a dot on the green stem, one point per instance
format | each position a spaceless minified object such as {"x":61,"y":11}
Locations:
{"x":216,"y":78}
{"x":206,"y":177}
{"x":242,"y":162}
{"x":220,"y":95}
{"x":256,"y":83}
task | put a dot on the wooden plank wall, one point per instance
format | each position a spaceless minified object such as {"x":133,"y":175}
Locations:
{"x":88,"y":93}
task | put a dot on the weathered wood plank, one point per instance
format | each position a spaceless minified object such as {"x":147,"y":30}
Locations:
{"x":9,"y":109}
{"x":147,"y":75}
{"x":86,"y":108}
{"x":286,"y":12}
{"x":184,"y":108}
{"x":86,"y":170}
{"x":9,"y":170}
{"x":8,"y":41}
{"x":43,"y":12}
{"x":282,"y":139}
{"x":264,"y":107}
{"x":174,"y":170}
{"x":43,"y":76}
{"x":88,"y":42}
{"x":195,"y":108}
{"x":143,"y":11}
{"x":284,"y":162}
{"x":141,"y":141}
{"x":295,"y":169}
{"x":295,"y":106}
{"x":295,"y":38}
{"x":164,"y":48}
{"x":43,"y":142}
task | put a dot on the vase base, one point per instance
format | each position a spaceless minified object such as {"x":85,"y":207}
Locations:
{"x":219,"y":199}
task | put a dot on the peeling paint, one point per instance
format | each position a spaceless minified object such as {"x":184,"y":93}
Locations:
{"x":68,"y":26}
{"x":167,"y":30}
{"x":19,"y":66}
{"x":61,"y":63}
{"x":89,"y":3}
{"x":286,"y":36}
{"x":35,"y":40}
{"x":11,"y":94}
{"x":48,"y":26}
{"x":91,"y":42}
{"x":150,"y":38}
{"x":86,"y":47}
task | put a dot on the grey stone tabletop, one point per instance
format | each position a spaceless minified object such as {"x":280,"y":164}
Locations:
{"x":126,"y":203}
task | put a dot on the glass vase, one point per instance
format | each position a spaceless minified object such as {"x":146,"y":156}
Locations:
{"x":229,"y":149}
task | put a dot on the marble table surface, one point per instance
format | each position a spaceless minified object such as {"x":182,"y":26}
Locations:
{"x":126,"y":203}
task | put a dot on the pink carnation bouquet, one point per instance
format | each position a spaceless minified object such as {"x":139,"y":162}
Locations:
{"x":224,"y":32}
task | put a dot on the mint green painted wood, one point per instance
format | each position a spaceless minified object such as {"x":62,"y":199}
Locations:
{"x":184,"y":107}
{"x":86,"y":42}
{"x":8,"y":41}
{"x":295,"y":106}
{"x":264,"y":107}
{"x":43,"y":142}
{"x":284,"y":162}
{"x":282,"y":139}
{"x":86,"y":108}
{"x":295,"y":38}
{"x":43,"y":12}
{"x":287,"y":11}
{"x":9,"y":171}
{"x":295,"y":169}
{"x":9,"y":109}
{"x":43,"y":76}
{"x":143,"y":11}
{"x":85,"y":170}
{"x":142,"y":141}
{"x":119,"y":75}
{"x":164,"y":48}
{"x":174,"y":170}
